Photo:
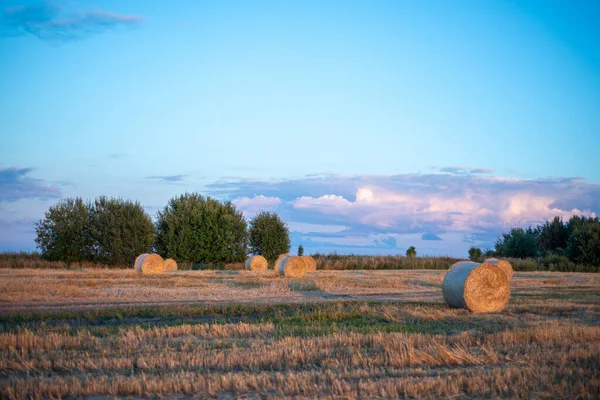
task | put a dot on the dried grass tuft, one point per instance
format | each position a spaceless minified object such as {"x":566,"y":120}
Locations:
{"x":480,"y":288}
{"x":257,"y":263}
{"x":292,"y":266}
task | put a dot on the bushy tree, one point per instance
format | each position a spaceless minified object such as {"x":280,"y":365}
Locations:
{"x":584,"y":244}
{"x":122,"y":230}
{"x":198,"y":229}
{"x":474,"y":254}
{"x":65,"y":232}
{"x":411,"y":252}
{"x":518,"y":243}
{"x":269,"y":235}
{"x":553,"y":235}
{"x":300,"y":250}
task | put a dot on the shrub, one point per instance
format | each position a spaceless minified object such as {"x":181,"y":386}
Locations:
{"x":300,"y":251}
{"x":518,"y":243}
{"x":411,"y":252}
{"x":197,"y":229}
{"x":474,"y":254}
{"x":269,"y":236}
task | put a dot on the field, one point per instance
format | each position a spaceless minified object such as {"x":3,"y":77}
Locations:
{"x":339,"y":334}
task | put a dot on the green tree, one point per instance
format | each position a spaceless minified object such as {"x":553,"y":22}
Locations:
{"x":300,"y":250}
{"x":518,"y":243}
{"x":474,"y":254}
{"x":65,"y":232}
{"x":553,"y":235}
{"x":269,"y":235}
{"x":411,"y":252}
{"x":122,"y":230}
{"x":194,"y":228}
{"x":584,"y":243}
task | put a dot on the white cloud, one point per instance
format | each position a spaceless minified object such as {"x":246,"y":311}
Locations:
{"x":303,"y":227}
{"x":256,"y":204}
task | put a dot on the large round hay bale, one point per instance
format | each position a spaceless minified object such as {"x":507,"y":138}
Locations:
{"x":170,"y":265}
{"x":135,"y":263}
{"x":150,"y":264}
{"x":311,"y":264}
{"x":503,"y":265}
{"x":257,"y":263}
{"x":477,"y":287}
{"x":279,"y":259}
{"x":292,"y":266}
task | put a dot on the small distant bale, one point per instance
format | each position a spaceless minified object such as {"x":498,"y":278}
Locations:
{"x":292,"y":267}
{"x":503,"y":265}
{"x":480,"y":288}
{"x":279,"y":259}
{"x":311,"y":264}
{"x":148,"y":264}
{"x":170,"y":265}
{"x":257,"y":263}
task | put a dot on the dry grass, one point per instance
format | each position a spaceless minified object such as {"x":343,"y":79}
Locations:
{"x":406,"y":344}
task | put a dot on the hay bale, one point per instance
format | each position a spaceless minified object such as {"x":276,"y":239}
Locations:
{"x":149,"y":264}
{"x":503,"y":265}
{"x":480,"y":288}
{"x":279,"y":259}
{"x":257,"y":263}
{"x":292,"y":266}
{"x":135,"y":263}
{"x":170,"y":265}
{"x":311,"y":264}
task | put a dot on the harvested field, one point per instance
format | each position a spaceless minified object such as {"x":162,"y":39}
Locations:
{"x":332,"y":334}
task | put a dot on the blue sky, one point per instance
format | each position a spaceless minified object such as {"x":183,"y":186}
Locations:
{"x":369,"y":126}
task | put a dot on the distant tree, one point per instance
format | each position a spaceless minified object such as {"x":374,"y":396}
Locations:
{"x":584,"y":243}
{"x":553,"y":235}
{"x":300,"y":250}
{"x":122,"y":230}
{"x":518,"y":243}
{"x":65,"y":232}
{"x":474,"y":254}
{"x":411,"y":252}
{"x":269,"y":236}
{"x":198,"y":229}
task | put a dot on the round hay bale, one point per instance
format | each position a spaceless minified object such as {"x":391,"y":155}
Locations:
{"x":311,"y":264}
{"x":292,"y":266}
{"x":281,"y":257}
{"x":480,"y":288}
{"x":257,"y":263}
{"x":170,"y":265}
{"x":135,"y":263}
{"x":150,"y":264}
{"x":503,"y":265}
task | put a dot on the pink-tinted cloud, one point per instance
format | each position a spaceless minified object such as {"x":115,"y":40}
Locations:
{"x":256,"y":204}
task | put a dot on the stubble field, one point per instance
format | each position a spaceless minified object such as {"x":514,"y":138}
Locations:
{"x":338,"y":334}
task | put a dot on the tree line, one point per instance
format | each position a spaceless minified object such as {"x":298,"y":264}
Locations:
{"x":557,"y":242}
{"x":191,"y":228}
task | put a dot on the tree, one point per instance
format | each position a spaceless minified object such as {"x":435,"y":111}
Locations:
{"x":269,"y":236}
{"x":584,"y":244}
{"x":122,"y":230}
{"x":518,"y":243}
{"x":300,"y":250}
{"x":553,"y":235}
{"x":411,"y":252}
{"x":198,"y":229}
{"x":474,"y":254}
{"x":65,"y":232}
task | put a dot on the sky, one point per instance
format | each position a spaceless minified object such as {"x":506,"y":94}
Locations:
{"x":369,"y":126}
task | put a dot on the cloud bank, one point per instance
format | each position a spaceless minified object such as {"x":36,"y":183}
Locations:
{"x":16,"y":185}
{"x":464,"y":205}
{"x":51,"y":23}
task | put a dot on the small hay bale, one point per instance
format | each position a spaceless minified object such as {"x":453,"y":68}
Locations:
{"x":170,"y":265}
{"x":311,"y":264}
{"x":503,"y":265}
{"x":480,"y":288}
{"x":292,"y":266}
{"x":257,"y":263}
{"x":150,"y":264}
{"x":279,"y":259}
